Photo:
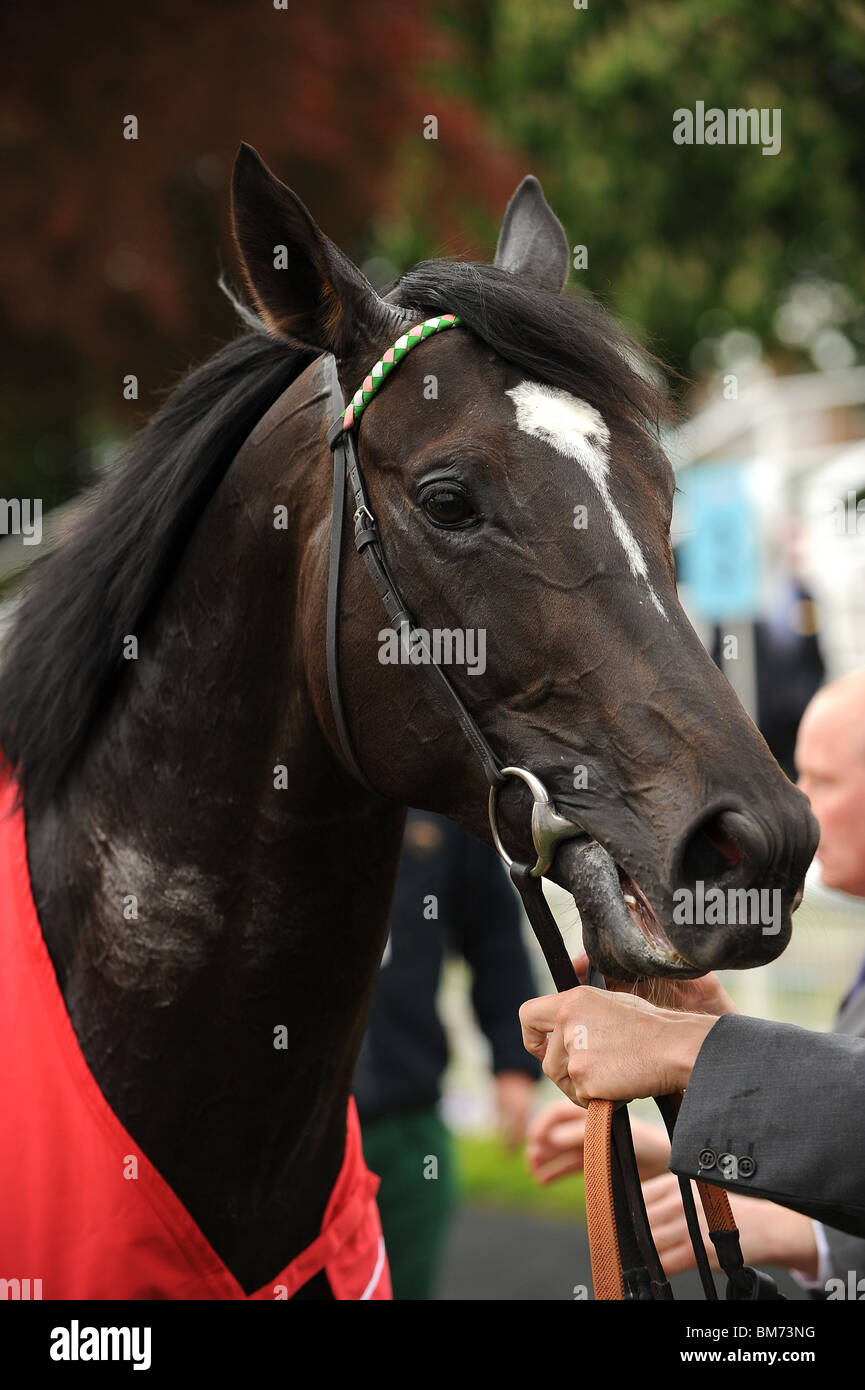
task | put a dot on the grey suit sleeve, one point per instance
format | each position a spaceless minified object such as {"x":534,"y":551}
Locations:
{"x":776,"y":1111}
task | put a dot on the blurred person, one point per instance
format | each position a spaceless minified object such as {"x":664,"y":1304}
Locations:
{"x":451,"y":895}
{"x":789,"y":667}
{"x":830,"y":760}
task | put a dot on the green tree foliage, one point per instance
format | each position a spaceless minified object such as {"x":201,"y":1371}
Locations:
{"x":687,"y":241}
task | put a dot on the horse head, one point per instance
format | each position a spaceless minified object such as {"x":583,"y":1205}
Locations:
{"x":524,"y":501}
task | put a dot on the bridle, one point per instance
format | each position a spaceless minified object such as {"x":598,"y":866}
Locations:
{"x":625,"y":1263}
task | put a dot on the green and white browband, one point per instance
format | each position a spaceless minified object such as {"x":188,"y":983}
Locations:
{"x":365,"y":392}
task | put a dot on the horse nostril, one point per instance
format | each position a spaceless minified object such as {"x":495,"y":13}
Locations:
{"x":723,"y":842}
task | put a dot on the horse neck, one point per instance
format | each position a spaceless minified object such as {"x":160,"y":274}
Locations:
{"x":215,"y":889}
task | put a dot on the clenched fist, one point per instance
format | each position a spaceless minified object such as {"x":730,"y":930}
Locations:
{"x":599,"y":1045}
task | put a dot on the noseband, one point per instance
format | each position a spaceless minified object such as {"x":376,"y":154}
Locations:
{"x":634,"y":1270}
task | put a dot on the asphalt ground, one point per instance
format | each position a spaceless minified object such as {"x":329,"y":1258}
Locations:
{"x":498,"y":1256}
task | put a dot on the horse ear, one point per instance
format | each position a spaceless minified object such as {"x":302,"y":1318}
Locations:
{"x":305,"y":289}
{"x":532,"y":241}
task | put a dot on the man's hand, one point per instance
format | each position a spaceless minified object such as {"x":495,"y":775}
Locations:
{"x":515,"y":1092}
{"x":599,"y":1045}
{"x":555,"y":1143}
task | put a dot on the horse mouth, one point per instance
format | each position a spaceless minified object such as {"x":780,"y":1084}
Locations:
{"x":622,"y":932}
{"x":644,"y":917}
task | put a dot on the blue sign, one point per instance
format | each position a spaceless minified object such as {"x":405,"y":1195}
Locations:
{"x":719,"y":557}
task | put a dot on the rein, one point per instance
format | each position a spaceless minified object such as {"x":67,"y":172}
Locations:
{"x":625,"y":1263}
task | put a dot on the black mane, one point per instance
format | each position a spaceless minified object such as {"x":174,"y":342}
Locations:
{"x":63,"y":658}
{"x":568,"y":342}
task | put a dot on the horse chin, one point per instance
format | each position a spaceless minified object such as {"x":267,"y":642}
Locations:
{"x":621,"y":931}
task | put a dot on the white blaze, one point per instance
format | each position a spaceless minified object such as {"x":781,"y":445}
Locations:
{"x":577,"y":430}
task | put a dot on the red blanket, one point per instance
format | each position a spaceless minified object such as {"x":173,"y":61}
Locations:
{"x":81,"y":1208}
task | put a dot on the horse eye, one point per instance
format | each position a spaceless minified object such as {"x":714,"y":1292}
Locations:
{"x":448,"y":506}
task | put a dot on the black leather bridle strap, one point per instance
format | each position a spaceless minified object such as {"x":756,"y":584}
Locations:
{"x":646,"y":1279}
{"x":642,"y":1270}
{"x":368,"y":544}
{"x":333,"y":681}
{"x":668,"y":1110}
{"x":543,"y":925}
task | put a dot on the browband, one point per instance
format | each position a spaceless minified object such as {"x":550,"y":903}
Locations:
{"x":385,"y":365}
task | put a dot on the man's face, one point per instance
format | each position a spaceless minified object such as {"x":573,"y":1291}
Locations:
{"x":830,"y":761}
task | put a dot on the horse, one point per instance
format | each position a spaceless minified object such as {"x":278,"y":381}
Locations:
{"x":207,"y":868}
